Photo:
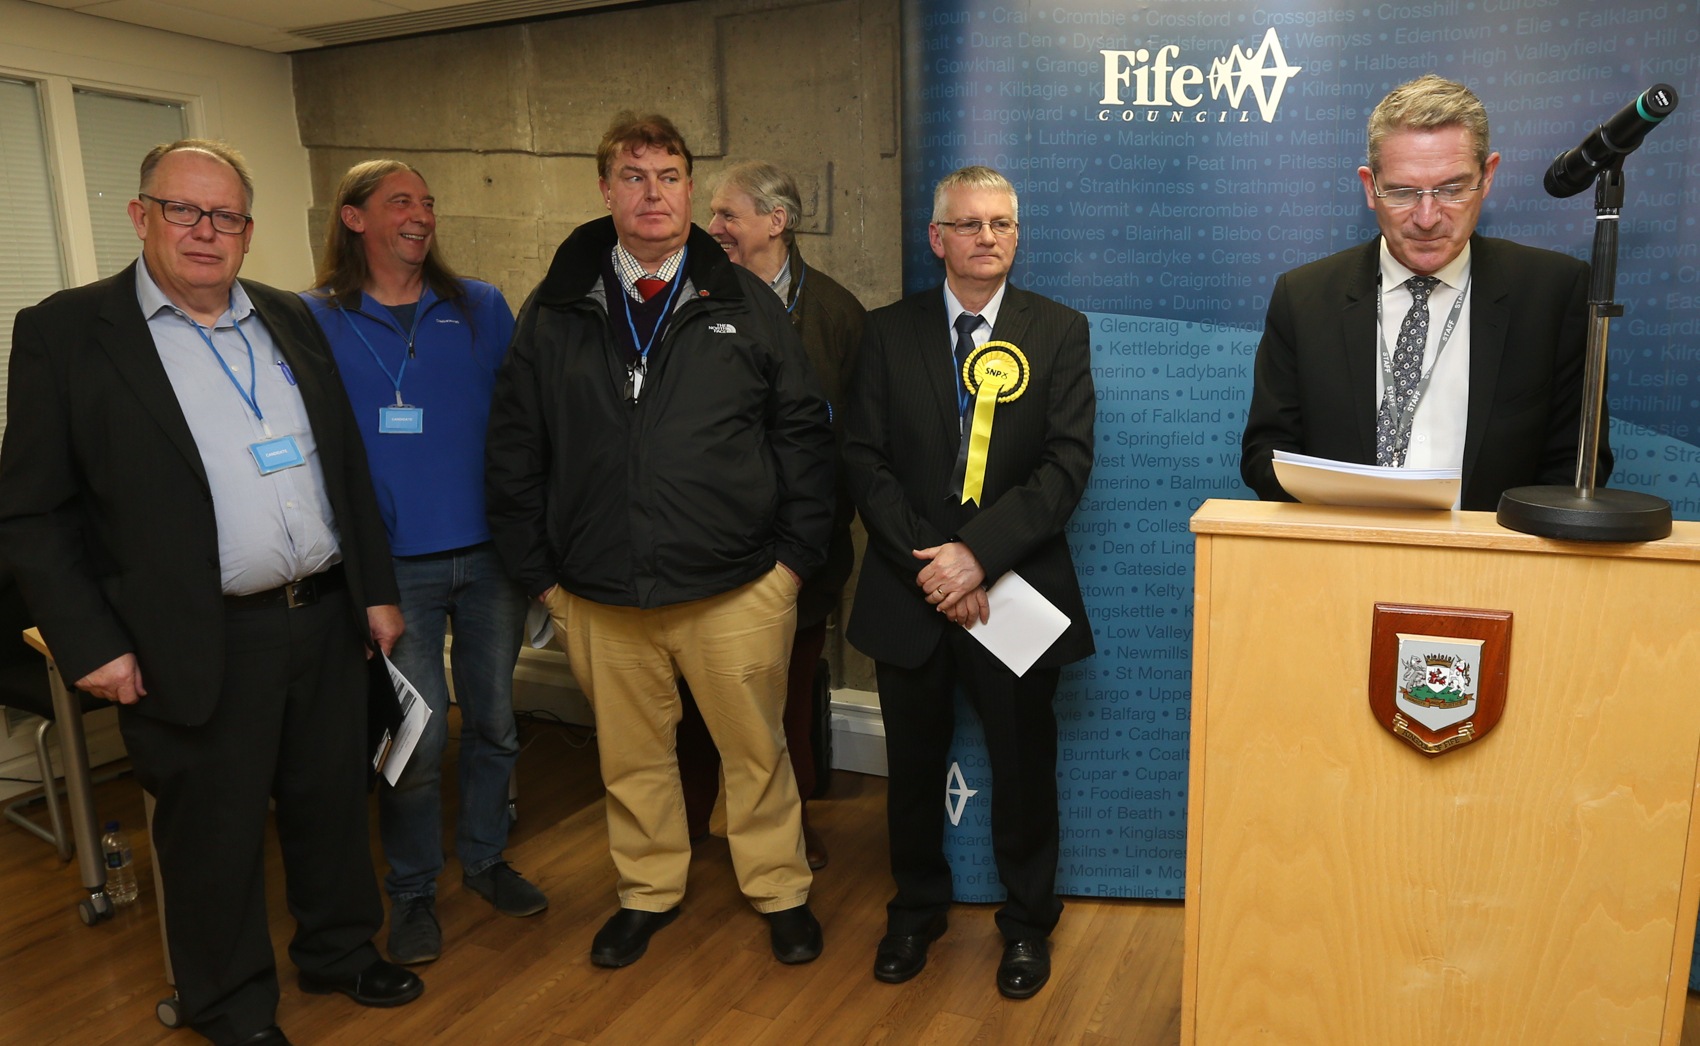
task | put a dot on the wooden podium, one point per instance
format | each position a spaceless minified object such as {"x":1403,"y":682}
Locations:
{"x":1536,"y":886}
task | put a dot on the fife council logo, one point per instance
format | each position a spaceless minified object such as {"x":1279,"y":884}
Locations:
{"x":1158,"y":84}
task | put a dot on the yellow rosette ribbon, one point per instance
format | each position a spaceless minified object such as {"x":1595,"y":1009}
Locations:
{"x":994,"y":373}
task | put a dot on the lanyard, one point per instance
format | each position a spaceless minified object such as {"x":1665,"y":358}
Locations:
{"x":666,"y":312}
{"x":1388,"y":388}
{"x":250,"y":394}
{"x":395,"y":379}
{"x":796,"y":299}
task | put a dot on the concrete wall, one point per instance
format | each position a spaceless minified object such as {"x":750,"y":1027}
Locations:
{"x":504,"y":123}
{"x":235,"y":93}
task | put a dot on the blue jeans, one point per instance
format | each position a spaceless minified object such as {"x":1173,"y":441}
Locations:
{"x":488,"y":610}
{"x":1694,"y":968}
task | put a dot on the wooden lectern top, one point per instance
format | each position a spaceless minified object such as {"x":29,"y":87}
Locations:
{"x":1389,"y":526}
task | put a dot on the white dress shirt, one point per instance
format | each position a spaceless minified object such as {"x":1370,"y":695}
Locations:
{"x":1437,"y":431}
{"x":982,"y":334}
{"x":272,"y":529}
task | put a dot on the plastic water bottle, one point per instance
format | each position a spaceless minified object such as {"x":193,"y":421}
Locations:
{"x":120,"y":865}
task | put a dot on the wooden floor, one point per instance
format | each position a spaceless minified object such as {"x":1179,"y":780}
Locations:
{"x":709,"y":978}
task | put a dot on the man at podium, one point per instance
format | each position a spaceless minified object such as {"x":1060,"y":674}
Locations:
{"x":1429,"y":346}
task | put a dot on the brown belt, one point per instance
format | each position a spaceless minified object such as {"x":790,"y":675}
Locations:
{"x":304,"y":593}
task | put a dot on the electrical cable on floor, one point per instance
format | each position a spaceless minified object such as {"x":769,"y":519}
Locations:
{"x":575,"y":735}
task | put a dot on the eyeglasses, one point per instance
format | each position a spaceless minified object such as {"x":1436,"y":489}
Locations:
{"x":972,"y":226}
{"x":178,"y":213}
{"x":1404,"y":199}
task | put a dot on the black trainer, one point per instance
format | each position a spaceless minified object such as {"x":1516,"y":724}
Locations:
{"x":507,"y":890}
{"x":415,"y":935}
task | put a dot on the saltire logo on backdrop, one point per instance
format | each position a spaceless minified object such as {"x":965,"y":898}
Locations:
{"x":1265,"y":73}
{"x":1174,"y":157}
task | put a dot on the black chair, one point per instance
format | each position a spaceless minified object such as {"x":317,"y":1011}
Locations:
{"x":24,"y":686}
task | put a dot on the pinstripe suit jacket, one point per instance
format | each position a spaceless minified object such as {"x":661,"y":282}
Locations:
{"x":900,"y":450}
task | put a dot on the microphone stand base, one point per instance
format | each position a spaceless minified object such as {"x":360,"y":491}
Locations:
{"x":1610,"y":515}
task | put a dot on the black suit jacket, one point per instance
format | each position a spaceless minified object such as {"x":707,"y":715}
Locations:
{"x":1315,"y":389}
{"x":105,"y":511}
{"x":900,"y":450}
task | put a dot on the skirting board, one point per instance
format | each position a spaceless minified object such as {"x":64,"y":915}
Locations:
{"x":17,"y":750}
{"x":858,"y":733}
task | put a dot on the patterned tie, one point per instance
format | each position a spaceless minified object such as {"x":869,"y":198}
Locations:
{"x":966,"y":323}
{"x":1390,"y":443}
{"x":649,"y":286}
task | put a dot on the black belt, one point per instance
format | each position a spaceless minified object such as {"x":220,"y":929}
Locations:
{"x":303,"y":593}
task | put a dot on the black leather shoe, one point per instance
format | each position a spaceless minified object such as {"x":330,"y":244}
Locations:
{"x":796,"y":935}
{"x":1025,"y":968}
{"x":380,"y":984}
{"x":624,"y":938}
{"x":902,"y":956}
{"x":272,"y":1036}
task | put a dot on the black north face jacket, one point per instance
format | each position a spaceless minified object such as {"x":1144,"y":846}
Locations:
{"x":723,"y":465}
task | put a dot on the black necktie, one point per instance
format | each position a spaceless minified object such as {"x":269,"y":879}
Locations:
{"x":965,"y":326}
{"x":1390,"y":442}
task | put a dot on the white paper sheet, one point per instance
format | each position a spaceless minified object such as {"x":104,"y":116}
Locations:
{"x":539,"y":626}
{"x":1021,"y":624}
{"x":414,"y":714}
{"x":1322,"y":481}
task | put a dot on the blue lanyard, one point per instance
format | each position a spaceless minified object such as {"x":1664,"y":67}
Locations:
{"x":395,"y":379}
{"x":249,"y":395}
{"x":666,"y":311}
{"x":796,"y":299}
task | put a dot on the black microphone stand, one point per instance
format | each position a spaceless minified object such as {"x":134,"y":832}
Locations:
{"x":1588,"y":511}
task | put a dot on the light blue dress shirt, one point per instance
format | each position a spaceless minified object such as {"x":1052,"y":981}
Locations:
{"x":271,"y":529}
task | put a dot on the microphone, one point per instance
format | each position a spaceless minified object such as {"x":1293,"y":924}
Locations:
{"x":1575,"y":170}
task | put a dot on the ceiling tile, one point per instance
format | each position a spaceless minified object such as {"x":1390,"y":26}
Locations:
{"x":286,"y":14}
{"x":431,"y":5}
{"x":177,"y":19}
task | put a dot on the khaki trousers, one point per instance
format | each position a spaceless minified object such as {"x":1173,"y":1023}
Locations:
{"x":734,"y":650}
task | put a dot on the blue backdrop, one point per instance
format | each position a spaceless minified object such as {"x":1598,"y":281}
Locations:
{"x":1173,"y":158}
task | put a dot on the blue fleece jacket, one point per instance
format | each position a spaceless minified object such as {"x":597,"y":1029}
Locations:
{"x":430,"y":486}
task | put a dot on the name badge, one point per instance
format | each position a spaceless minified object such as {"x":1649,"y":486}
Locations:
{"x":401,"y":421}
{"x":275,"y":455}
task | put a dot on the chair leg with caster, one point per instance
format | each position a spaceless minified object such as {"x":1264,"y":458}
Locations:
{"x":170,"y":1011}
{"x":96,"y":908}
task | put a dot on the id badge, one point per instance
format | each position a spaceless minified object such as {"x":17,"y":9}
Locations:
{"x":275,"y":455}
{"x":401,"y":421}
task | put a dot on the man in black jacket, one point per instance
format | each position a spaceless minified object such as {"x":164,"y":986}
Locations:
{"x":660,"y":474}
{"x":947,"y":517}
{"x":184,"y":497}
{"x":1429,"y":346}
{"x":756,"y":207}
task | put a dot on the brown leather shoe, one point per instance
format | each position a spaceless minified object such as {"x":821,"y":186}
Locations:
{"x":814,"y":848}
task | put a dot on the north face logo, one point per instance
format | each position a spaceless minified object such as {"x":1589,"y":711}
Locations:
{"x":722,"y":328}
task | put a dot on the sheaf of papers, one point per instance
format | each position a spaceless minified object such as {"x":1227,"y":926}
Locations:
{"x":1321,"y":481}
{"x":1021,"y":624}
{"x":539,"y":626}
{"x":414,"y":714}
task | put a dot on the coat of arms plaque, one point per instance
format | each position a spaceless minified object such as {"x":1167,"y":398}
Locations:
{"x":1437,"y":675}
